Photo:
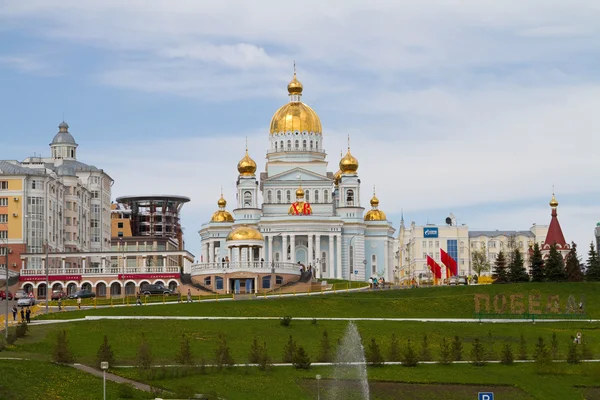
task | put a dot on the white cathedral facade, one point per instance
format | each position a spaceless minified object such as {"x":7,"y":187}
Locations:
{"x":308,"y":215}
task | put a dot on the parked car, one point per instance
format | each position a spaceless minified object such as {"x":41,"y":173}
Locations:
{"x":82,"y":294}
{"x":58,"y":294}
{"x":3,"y":295}
{"x":26,"y":302}
{"x":155,"y":289}
{"x":19,"y":294}
{"x":457,"y":280}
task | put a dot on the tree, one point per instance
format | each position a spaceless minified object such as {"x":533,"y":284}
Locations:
{"x":301,"y":359}
{"x":541,"y":354}
{"x":537,"y":265}
{"x":573,"y":265}
{"x":478,"y":353}
{"x":555,"y":266}
{"x":184,"y":356}
{"x":62,"y":354}
{"x":264,"y":361}
{"x":254,"y":355}
{"x":373,"y":354}
{"x":479,"y":261}
{"x":554,"y":346}
{"x":500,"y":269}
{"x":223,"y":356}
{"x":445,"y":352}
{"x":516,"y":269}
{"x":409,"y":356}
{"x":522,"y":348}
{"x":105,"y":353}
{"x":507,"y":355}
{"x":394,"y":353}
{"x":457,"y":349}
{"x":325,"y":348}
{"x":572,"y":354}
{"x":593,"y":265}
{"x":425,"y":351}
{"x":144,"y":355}
{"x":289,"y":351}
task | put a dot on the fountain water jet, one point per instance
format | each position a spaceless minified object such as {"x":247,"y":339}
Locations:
{"x":350,"y":371}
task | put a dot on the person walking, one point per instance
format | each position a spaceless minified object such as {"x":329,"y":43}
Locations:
{"x":138,"y":299}
{"x":14,"y":311}
{"x":189,"y":296}
{"x":59,"y":304}
{"x":79,"y":303}
{"x":179,"y":296}
{"x":22,"y":315}
{"x":28,"y":315}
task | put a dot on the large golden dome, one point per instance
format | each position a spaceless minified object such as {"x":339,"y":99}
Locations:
{"x":221,"y":215}
{"x":375,"y":214}
{"x":295,"y":116}
{"x":348,"y":164}
{"x":246,"y":166}
{"x":244,"y":233}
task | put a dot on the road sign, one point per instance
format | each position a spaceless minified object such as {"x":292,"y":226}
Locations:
{"x":31,"y":296}
{"x":485,"y":396}
{"x":355,"y":272}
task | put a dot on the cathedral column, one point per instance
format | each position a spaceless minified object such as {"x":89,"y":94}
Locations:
{"x":229,"y":254}
{"x":331,"y":272}
{"x":238,"y":255}
{"x":339,"y":257}
{"x":261,"y":253}
{"x":211,"y":251}
{"x":386,"y":247}
{"x":311,"y":259}
{"x":206,"y":253}
{"x":318,"y":255}
{"x":293,"y":249}
{"x":284,"y":248}
{"x":250,"y":251}
{"x":270,"y":238}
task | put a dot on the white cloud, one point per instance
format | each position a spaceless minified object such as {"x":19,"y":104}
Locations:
{"x":26,"y":63}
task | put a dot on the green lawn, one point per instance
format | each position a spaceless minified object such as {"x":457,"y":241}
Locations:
{"x":443,"y":302}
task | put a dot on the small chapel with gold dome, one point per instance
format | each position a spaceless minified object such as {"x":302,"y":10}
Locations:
{"x":295,"y":215}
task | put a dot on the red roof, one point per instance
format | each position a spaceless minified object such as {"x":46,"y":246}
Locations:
{"x":555,"y":234}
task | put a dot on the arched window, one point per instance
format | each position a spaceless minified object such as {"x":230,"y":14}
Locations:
{"x":373,"y":264}
{"x":323,"y":262}
{"x":350,"y":197}
{"x":307,"y":195}
{"x":304,"y":144}
{"x":281,"y":145}
{"x":275,"y":146}
{"x":316,"y":196}
{"x":325,"y":196}
{"x":317,"y":144}
{"x":247,"y":199}
{"x":279,"y":196}
{"x":289,"y":144}
{"x":269,"y":197}
{"x":297,"y":144}
{"x":311,"y":144}
{"x":288,"y":196}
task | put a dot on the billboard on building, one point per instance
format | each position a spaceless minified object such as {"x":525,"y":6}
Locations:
{"x":430,"y":232}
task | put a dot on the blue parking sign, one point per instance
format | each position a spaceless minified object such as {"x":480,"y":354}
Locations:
{"x":485,"y":396}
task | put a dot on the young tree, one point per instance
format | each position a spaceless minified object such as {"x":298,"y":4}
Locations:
{"x":541,"y":355}
{"x":325,"y":348}
{"x":572,"y":354}
{"x":264,"y":361}
{"x":301,"y":359}
{"x":554,"y":346}
{"x":593,"y":265}
{"x":184,"y":356}
{"x":478,"y":353}
{"x":425,"y":351}
{"x":537,"y":265}
{"x":522,"y":348}
{"x":62,"y":354}
{"x":373,"y":354}
{"x":144,"y":355}
{"x":223,"y":356}
{"x":105,"y":353}
{"x":573,"y":265}
{"x":479,"y":261}
{"x":445,"y":352}
{"x":394,"y":353}
{"x":516,"y":269}
{"x":555,"y":266}
{"x":409,"y":356}
{"x":457,"y":348}
{"x":500,"y":269}
{"x":289,"y":351}
{"x":255,"y":352}
{"x":507,"y":355}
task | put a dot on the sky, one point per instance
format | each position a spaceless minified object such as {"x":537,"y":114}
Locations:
{"x":473,"y":107}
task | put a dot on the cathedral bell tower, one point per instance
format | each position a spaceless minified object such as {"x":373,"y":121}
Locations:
{"x":247,"y":190}
{"x":348,"y":195}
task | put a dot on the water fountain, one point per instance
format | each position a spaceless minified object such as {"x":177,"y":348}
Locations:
{"x":350,"y":371}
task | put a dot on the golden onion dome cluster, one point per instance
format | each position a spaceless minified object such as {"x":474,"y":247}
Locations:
{"x":221,"y":215}
{"x":375,"y":214}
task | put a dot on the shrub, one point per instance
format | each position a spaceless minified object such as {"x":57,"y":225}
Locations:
{"x":522,"y":348}
{"x":325,"y":348}
{"x":457,"y":349}
{"x":289,"y":351}
{"x":394,"y":353}
{"x":445,"y":352}
{"x":490,"y":355}
{"x":478,"y":353}
{"x":314,"y":321}
{"x":3,"y":343}
{"x":373,"y":354}
{"x":21,"y":329}
{"x":144,"y":355}
{"x":11,"y":339}
{"x":425,"y":351}
{"x":301,"y":359}
{"x":507,"y":355}
{"x":285,"y":321}
{"x":184,"y":356}
{"x":554,"y":346}
{"x":126,"y":391}
{"x":409,"y":356}
{"x":105,"y":353}
{"x":223,"y":356}
{"x":572,"y":354}
{"x":61,"y":353}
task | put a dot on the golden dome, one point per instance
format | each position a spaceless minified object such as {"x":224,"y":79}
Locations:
{"x":221,"y":215}
{"x":337,"y":177}
{"x":375,"y":215}
{"x":222,"y":202}
{"x":348,"y":164}
{"x":553,"y":202}
{"x":374,"y":201}
{"x":246,"y":166}
{"x":243,"y":233}
{"x":300,"y":193}
{"x":295,"y":116}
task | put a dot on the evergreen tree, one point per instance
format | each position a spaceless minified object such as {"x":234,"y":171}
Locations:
{"x":325,"y":350}
{"x":144,"y":355}
{"x":573,"y":265}
{"x":478,"y":353}
{"x":62,"y":353}
{"x":507,"y":355}
{"x":538,"y":273}
{"x":289,"y":350}
{"x":445,"y":352}
{"x":593,"y":265}
{"x":516,"y":270}
{"x":105,"y":353}
{"x":223,"y":356}
{"x":373,"y":354}
{"x":425,"y":351}
{"x":255,"y":352}
{"x":409,"y":356}
{"x":394,"y":353}
{"x":457,"y":349}
{"x":301,"y":359}
{"x":522,"y":348}
{"x":555,"y":266}
{"x":184,"y":356}
{"x":500,"y":269}
{"x":554,"y":346}
{"x":264,"y":361}
{"x":541,"y":355}
{"x":572,"y":354}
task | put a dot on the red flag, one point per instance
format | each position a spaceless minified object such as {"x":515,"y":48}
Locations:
{"x":435,"y":268}
{"x":449,"y":262}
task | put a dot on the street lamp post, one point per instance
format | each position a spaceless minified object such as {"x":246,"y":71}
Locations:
{"x":104,"y":367}
{"x":318,"y":377}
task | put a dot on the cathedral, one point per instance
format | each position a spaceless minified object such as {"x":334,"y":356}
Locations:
{"x":309,"y":217}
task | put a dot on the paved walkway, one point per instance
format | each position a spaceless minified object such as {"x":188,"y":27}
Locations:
{"x":113,"y":377}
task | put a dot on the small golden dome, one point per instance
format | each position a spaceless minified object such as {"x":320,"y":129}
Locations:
{"x":244,"y":233}
{"x":295,"y":116}
{"x":295,"y":86}
{"x":374,"y":201}
{"x":222,"y":202}
{"x":337,"y":177}
{"x":300,"y":193}
{"x":553,"y":202}
{"x":222,"y":216}
{"x":348,"y":164}
{"x":246,"y":166}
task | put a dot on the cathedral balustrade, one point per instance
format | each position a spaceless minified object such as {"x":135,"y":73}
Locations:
{"x":100,"y":271}
{"x":292,"y":150}
{"x":246,"y":266}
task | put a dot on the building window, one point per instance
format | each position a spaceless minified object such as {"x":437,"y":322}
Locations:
{"x":120,"y":234}
{"x":266,"y":282}
{"x":3,"y":201}
{"x":289,"y":144}
{"x":424,"y":255}
{"x":307,"y":195}
{"x":207,"y":281}
{"x":3,"y":185}
{"x":218,"y":283}
{"x":269,"y":197}
{"x":304,"y":144}
{"x":247,"y":199}
{"x":3,"y":218}
{"x":297,"y":144}
{"x":2,"y":251}
{"x":424,"y":243}
{"x":373,"y":264}
{"x":120,"y":225}
{"x":325,"y":196}
{"x":473,"y":245}
{"x":275,"y":146}
{"x":437,"y":243}
{"x":492,"y":244}
{"x":316,"y":196}
{"x":288,"y":196}
{"x":311,"y":144}
{"x":278,"y":280}
{"x":350,"y":197}
{"x":431,"y":243}
{"x":279,"y":196}
{"x":462,"y":250}
{"x":323,"y":262}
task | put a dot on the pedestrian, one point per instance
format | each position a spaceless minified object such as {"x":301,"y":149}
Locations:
{"x":22,"y":315}
{"x":178,"y":296}
{"x":59,"y":304}
{"x":138,"y":299}
{"x":28,"y":315}
{"x":189,"y":296}
{"x":14,"y":311}
{"x":222,"y":261}
{"x":79,"y":303}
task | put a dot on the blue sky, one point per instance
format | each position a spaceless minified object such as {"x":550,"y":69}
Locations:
{"x":473,"y":107}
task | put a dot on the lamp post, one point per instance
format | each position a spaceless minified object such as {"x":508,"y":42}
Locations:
{"x":104,"y":367}
{"x":318,"y":377}
{"x":351,"y":266}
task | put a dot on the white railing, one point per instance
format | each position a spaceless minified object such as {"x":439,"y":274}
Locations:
{"x":101,"y":271}
{"x":241,"y":266}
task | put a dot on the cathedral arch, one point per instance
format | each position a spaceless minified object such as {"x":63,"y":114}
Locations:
{"x":304,"y":144}
{"x":350,"y":197}
{"x":316,"y":196}
{"x":247,"y":199}
{"x":325,"y":196}
{"x":279,"y":196}
{"x":297,"y":144}
{"x":269,"y":196}
{"x":307,"y":195}
{"x":288,"y":196}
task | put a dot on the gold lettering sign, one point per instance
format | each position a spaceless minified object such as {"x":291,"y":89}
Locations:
{"x":500,"y":304}
{"x":517,"y":306}
{"x":552,"y":306}
{"x":478,"y":298}
{"x":535,"y":306}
